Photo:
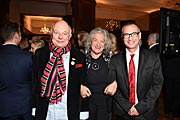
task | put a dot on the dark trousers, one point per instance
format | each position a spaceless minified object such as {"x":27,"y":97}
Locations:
{"x":116,"y":117}
{"x":26,"y":116}
{"x":98,"y":112}
{"x":172,"y":96}
{"x":127,"y":117}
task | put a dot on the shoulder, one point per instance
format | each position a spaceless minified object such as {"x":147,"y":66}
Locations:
{"x":149,"y":54}
{"x":42,"y":51}
{"x":26,"y":53}
{"x":118,"y":55}
{"x":76,"y":52}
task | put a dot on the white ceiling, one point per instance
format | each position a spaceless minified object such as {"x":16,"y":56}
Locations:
{"x":139,"y":5}
{"x":144,"y":6}
{"x":134,"y":5}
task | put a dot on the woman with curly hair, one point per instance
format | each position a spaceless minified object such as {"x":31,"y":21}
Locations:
{"x":97,"y":88}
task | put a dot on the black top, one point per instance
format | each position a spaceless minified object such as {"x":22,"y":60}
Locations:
{"x":97,"y":79}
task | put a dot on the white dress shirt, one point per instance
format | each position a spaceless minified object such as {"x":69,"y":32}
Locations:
{"x":59,"y":111}
{"x":136,"y":62}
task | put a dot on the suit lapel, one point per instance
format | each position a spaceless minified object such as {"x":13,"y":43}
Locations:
{"x":124,"y":65}
{"x":140,"y":68}
{"x":72,"y":61}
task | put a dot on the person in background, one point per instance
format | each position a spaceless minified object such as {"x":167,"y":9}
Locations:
{"x":97,"y":88}
{"x":113,"y":46}
{"x":16,"y":75}
{"x":153,"y":42}
{"x":32,"y":38}
{"x":36,"y":44}
{"x":82,"y":37}
{"x":138,"y":74}
{"x":24,"y":44}
{"x":171,"y":96}
{"x":58,"y":74}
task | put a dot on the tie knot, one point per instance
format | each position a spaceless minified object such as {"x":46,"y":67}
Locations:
{"x":132,"y":55}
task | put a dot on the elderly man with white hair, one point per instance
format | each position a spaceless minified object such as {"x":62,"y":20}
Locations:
{"x":153,"y":42}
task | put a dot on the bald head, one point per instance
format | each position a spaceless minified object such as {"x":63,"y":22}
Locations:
{"x":61,"y":23}
{"x":60,"y":33}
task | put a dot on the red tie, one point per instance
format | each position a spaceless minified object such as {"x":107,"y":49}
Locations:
{"x":131,"y":77}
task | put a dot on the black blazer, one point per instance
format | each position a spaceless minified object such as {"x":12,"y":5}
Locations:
{"x":76,"y":76}
{"x":15,"y":80}
{"x":155,"y":48}
{"x":149,"y":83}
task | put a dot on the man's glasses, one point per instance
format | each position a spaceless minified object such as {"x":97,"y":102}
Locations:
{"x":133,"y":35}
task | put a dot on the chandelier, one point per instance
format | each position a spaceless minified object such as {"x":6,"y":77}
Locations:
{"x":44,"y":29}
{"x":112,"y":25}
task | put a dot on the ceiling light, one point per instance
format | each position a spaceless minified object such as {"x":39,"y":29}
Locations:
{"x":112,"y":25}
{"x":45,"y":30}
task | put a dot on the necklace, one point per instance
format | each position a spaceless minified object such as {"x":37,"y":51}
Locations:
{"x":95,"y":66}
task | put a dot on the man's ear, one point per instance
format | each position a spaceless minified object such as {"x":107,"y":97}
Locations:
{"x":16,"y":38}
{"x":70,"y":36}
{"x":154,"y":41}
{"x":139,"y":35}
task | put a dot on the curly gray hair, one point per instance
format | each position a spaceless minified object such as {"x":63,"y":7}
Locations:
{"x":90,"y":38}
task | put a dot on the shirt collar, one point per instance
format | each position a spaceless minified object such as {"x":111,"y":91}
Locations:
{"x":136,"y":53}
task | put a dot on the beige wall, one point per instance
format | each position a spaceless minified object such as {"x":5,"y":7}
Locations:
{"x":143,"y":22}
{"x":103,"y":13}
{"x":14,"y":11}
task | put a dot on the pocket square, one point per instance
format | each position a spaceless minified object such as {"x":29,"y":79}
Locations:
{"x":78,"y":65}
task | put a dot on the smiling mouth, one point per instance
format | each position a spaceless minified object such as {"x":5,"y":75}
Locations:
{"x":130,"y":42}
{"x":60,"y":40}
{"x":97,"y":47}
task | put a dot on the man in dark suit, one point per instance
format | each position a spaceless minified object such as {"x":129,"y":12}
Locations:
{"x":15,"y":75}
{"x":136,"y":100}
{"x":58,"y":73}
{"x":153,"y":42}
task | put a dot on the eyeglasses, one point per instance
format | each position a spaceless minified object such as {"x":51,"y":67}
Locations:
{"x":133,"y":35}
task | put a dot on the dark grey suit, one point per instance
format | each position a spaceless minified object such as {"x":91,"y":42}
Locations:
{"x":15,"y":81}
{"x":76,"y":76}
{"x":155,"y":48}
{"x":149,"y":83}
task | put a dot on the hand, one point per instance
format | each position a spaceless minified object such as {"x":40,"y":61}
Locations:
{"x":133,"y":111}
{"x":111,"y":88}
{"x":85,"y":92}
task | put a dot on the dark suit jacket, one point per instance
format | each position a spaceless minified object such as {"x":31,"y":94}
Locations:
{"x":76,"y":76}
{"x":155,"y":48}
{"x":149,"y":83}
{"x":15,"y":80}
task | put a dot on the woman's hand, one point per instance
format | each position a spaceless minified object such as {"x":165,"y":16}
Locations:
{"x":85,"y":92}
{"x":111,"y":88}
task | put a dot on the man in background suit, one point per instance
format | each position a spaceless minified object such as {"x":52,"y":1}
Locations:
{"x":153,"y":42}
{"x":58,"y":73}
{"x":148,"y":78}
{"x":15,"y":75}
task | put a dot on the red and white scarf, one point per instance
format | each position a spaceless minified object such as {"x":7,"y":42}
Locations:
{"x":53,"y":80}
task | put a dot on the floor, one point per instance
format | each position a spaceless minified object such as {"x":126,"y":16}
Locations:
{"x":162,"y":116}
{"x":161,"y":111}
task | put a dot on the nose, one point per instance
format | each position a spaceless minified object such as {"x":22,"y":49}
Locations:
{"x":98,"y":44}
{"x":60,"y":36}
{"x":130,"y":37}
